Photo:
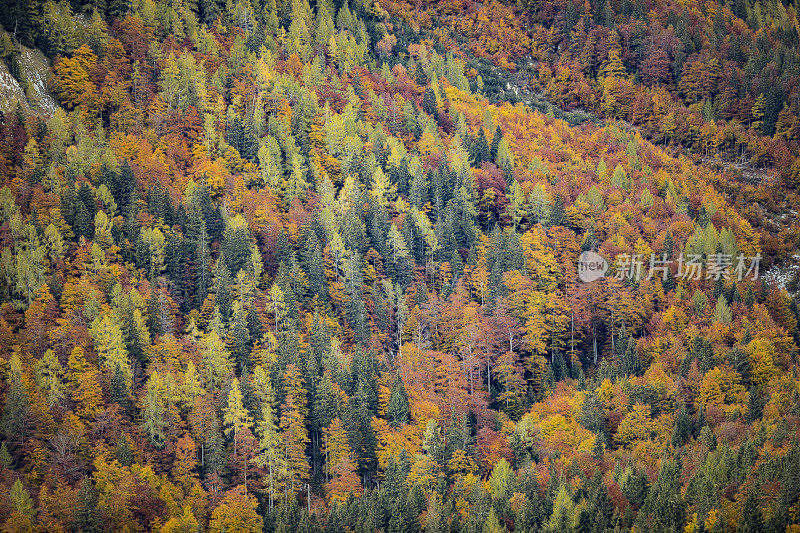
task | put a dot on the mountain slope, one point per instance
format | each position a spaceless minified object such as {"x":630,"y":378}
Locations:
{"x":287,"y":268}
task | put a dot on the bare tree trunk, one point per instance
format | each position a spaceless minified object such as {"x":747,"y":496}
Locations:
{"x":572,"y":338}
{"x":489,"y":378}
{"x":271,"y":486}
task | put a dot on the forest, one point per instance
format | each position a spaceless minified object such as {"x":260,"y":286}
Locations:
{"x":280,"y":265}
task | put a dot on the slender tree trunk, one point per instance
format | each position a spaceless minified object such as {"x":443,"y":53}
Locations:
{"x":271,"y":486}
{"x":572,"y":337}
{"x":489,"y":378}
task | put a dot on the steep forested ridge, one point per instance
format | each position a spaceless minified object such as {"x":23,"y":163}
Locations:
{"x":718,"y":79}
{"x":714,"y":76}
{"x":294,"y":267}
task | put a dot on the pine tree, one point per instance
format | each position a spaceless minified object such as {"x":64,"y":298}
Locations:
{"x":328,"y":401}
{"x":277,"y":306}
{"x":664,"y":507}
{"x":683,"y":427}
{"x":118,"y":8}
{"x":362,"y":438}
{"x":299,"y":38}
{"x":222,"y":287}
{"x":620,"y":178}
{"x":539,"y":202}
{"x":296,"y":185}
{"x":17,"y":421}
{"x":236,"y":245}
{"x":314,"y":265}
{"x":752,"y":519}
{"x":239,"y":335}
{"x":755,"y":405}
{"x":429,"y":103}
{"x":557,"y":214}
{"x":234,"y":415}
{"x":86,"y":517}
{"x":124,"y":450}
{"x":494,"y":149}
{"x":271,"y":455}
{"x":517,"y":204}
{"x":418,"y":194}
{"x":108,"y":340}
{"x":154,"y":409}
{"x":383,"y":191}
{"x":629,"y":364}
{"x":480,"y":150}
{"x":397,"y":411}
{"x":757,"y":113}
{"x":295,"y":440}
{"x":216,"y":360}
{"x":324,"y":28}
{"x":49,"y":376}
{"x":202,"y":265}
{"x":397,"y":244}
{"x":722,"y":312}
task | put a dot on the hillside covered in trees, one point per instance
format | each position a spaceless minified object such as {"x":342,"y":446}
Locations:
{"x":281,"y":266}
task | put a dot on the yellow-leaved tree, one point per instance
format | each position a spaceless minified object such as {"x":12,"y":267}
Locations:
{"x":637,"y":425}
{"x":236,"y":512}
{"x":762,"y":360}
{"x":721,"y":387}
{"x":85,"y":386}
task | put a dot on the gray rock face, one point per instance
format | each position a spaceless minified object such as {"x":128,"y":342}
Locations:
{"x":32,"y":93}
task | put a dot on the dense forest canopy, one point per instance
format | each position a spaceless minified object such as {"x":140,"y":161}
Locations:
{"x":273,"y":265}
